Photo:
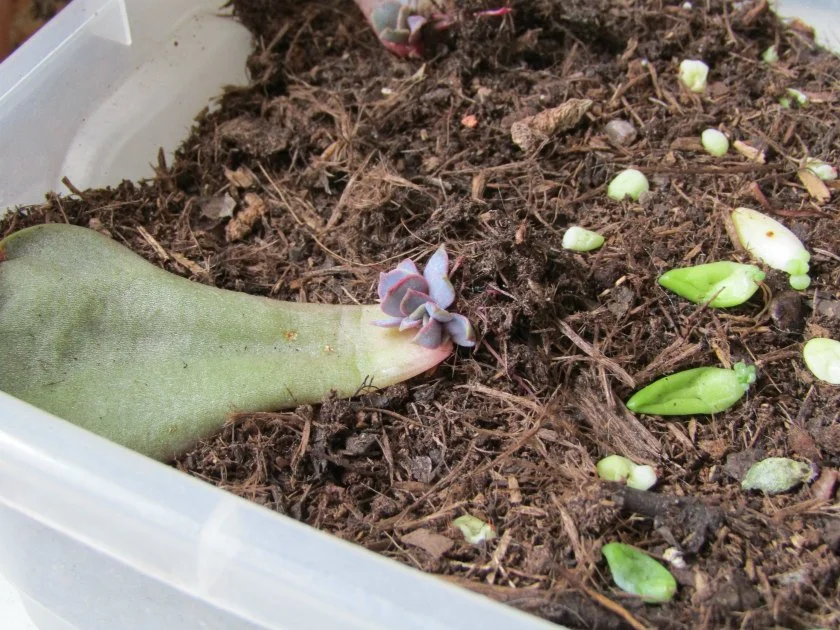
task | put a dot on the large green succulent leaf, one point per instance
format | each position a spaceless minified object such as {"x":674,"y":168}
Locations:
{"x":94,"y":334}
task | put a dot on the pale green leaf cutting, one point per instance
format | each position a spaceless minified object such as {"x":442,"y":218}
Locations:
{"x":775,"y":475}
{"x":94,"y":334}
{"x":475,"y":530}
{"x":638,"y":574}
{"x":822,"y":356}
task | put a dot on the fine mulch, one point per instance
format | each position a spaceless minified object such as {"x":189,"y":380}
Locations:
{"x":23,"y":19}
{"x":362,"y":159}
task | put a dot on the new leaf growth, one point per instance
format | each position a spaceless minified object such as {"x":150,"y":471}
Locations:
{"x":408,"y":27}
{"x":419,"y":302}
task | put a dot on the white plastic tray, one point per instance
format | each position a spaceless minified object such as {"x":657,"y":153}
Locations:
{"x":93,"y":535}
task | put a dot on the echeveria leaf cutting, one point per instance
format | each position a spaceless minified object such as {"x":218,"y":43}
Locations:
{"x":822,"y":356}
{"x":714,"y":142}
{"x":722,"y":284}
{"x":579,"y":239}
{"x":100,"y":337}
{"x":628,"y":183}
{"x":621,"y":469}
{"x":826,"y":172}
{"x":419,"y":302}
{"x":775,"y":475}
{"x":695,"y":391}
{"x":638,"y":574}
{"x":693,"y":74}
{"x":407,"y":27}
{"x":771,"y":242}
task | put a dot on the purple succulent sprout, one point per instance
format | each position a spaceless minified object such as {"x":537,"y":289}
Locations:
{"x":419,"y":302}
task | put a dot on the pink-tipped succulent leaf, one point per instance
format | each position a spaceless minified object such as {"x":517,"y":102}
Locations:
{"x":407,"y":27}
{"x":420,"y":301}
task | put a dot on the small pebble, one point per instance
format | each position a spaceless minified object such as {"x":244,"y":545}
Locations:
{"x":827,"y":307}
{"x":786,"y":311}
{"x":620,"y":132}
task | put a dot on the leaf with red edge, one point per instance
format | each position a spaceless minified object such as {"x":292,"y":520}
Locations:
{"x":436,"y":274}
{"x":460,"y":330}
{"x":394,"y":297}
{"x":436,"y":312}
{"x":430,"y":335}
{"x":413,"y":301}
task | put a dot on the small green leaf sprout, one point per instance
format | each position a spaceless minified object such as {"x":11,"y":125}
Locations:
{"x":618,"y":468}
{"x":822,"y":356}
{"x":693,"y":74}
{"x":475,"y":530}
{"x":772,"y":243}
{"x":770,"y":55}
{"x":699,"y":390}
{"x":720,"y":284}
{"x":800,"y":98}
{"x":799,"y":281}
{"x":825,"y":172}
{"x":579,"y":239}
{"x":628,"y":183}
{"x":714,"y":142}
{"x":776,"y":475}
{"x":637,"y":573}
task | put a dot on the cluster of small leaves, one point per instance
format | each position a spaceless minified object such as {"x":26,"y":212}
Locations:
{"x":419,"y":302}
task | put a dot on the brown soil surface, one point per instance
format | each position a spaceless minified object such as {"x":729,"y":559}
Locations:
{"x":19,"y":19}
{"x":364,"y":159}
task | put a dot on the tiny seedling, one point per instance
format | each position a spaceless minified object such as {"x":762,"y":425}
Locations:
{"x":693,"y":74}
{"x":822,"y":356}
{"x":720,"y":284}
{"x":798,"y":97}
{"x":799,"y":281}
{"x":579,"y":239}
{"x":637,"y":573}
{"x":776,"y":475}
{"x":702,"y":390}
{"x":628,"y":183}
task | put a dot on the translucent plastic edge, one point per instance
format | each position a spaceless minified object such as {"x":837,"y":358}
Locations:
{"x":51,"y":39}
{"x":45,"y":447}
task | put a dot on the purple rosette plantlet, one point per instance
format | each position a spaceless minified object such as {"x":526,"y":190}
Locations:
{"x":408,"y":27}
{"x":419,"y":302}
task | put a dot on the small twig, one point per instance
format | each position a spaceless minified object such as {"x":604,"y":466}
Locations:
{"x":593,"y":352}
{"x":66,"y":181}
{"x":613,"y":607}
